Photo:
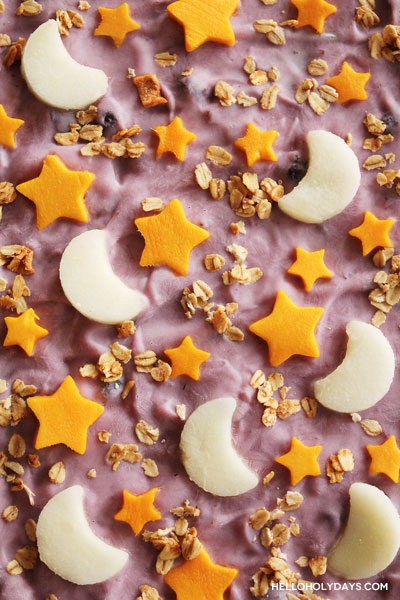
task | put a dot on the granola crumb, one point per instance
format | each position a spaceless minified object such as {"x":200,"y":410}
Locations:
{"x":268,"y":477}
{"x":91,"y":473}
{"x":104,"y":436}
{"x":30,"y":529}
{"x":9,"y":514}
{"x":180,"y":410}
{"x":125,"y":329}
{"x":57,"y":473}
{"x":127,"y":388}
{"x":238,"y":227}
{"x":146,"y":433}
{"x":149,"y":467}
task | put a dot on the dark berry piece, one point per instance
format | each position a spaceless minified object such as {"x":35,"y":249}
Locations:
{"x":390,"y":121}
{"x":109,"y":120}
{"x":298,"y":169}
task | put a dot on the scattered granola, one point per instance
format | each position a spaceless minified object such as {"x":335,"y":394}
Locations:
{"x":241,"y":274}
{"x":127,"y":388}
{"x":146,"y":433}
{"x":165,"y":59}
{"x":244,"y":100}
{"x":269,"y":97}
{"x":317,"y":67}
{"x":118,"y":452}
{"x":225,"y":93}
{"x":17,"y":259}
{"x":149,"y":467}
{"x":152,"y":204}
{"x":92,"y":474}
{"x":203,"y":175}
{"x":125,"y":329}
{"x":104,"y":436}
{"x":30,"y":529}
{"x":149,"y":90}
{"x":218,"y":155}
{"x":371,"y":427}
{"x":9,"y":514}
{"x":213,"y":262}
{"x":148,"y":593}
{"x":338,"y":464}
{"x":57,"y":473}
{"x":180,"y":410}
{"x":16,"y":446}
{"x":29,"y":8}
{"x":14,"y":52}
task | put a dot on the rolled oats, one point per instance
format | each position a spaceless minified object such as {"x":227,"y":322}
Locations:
{"x":165,"y":59}
{"x":16,"y":446}
{"x":259,"y":519}
{"x":258,"y":77}
{"x":269,"y":97}
{"x":371,"y":427}
{"x":317,"y":103}
{"x":127,"y":388}
{"x":152,"y":204}
{"x":318,"y":565}
{"x":14,"y":568}
{"x":30,"y":529}
{"x":249,"y":65}
{"x":57,"y":473}
{"x":146,"y":433}
{"x":317,"y":67}
{"x":161,"y":372}
{"x":29,"y":8}
{"x":27,"y":556}
{"x":203,"y":175}
{"x":9,"y":514}
{"x":225,"y":93}
{"x":126,"y":328}
{"x":218,"y":155}
{"x":217,"y":188}
{"x":244,"y":100}
{"x":149,"y":467}
{"x":213,"y":262}
{"x":144,"y":361}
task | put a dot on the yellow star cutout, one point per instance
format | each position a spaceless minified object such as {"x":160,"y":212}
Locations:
{"x":174,"y":138}
{"x":257,"y":145}
{"x":138,"y":510}
{"x":23,"y":331}
{"x":8,"y":126}
{"x":385,"y":459}
{"x":116,"y":23}
{"x":169,"y":238}
{"x":289,"y":329}
{"x":57,"y":192}
{"x":204,"y":21}
{"x":200,"y":579}
{"x":309,"y":266}
{"x":186,"y":359}
{"x":64,"y":417}
{"x":373,"y":232}
{"x":349,"y":84}
{"x":301,"y":461}
{"x":313,"y":12}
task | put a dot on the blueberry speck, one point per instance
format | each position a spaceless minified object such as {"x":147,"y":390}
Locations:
{"x":298,"y":169}
{"x":390,"y":121}
{"x":109,"y":120}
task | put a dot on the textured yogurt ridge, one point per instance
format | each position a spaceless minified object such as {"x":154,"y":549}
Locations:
{"x":113,"y":202}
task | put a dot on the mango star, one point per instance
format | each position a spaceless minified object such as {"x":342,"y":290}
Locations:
{"x":313,"y":12}
{"x":385,"y":459}
{"x":289,"y":330}
{"x":257,"y":145}
{"x":349,"y":84}
{"x":138,"y":510}
{"x":309,"y":266}
{"x":174,"y":138}
{"x":169,"y":238}
{"x":64,"y":417}
{"x":200,"y":579}
{"x":186,"y":359}
{"x":373,"y":232}
{"x":57,"y":192}
{"x":23,"y":331}
{"x":116,"y":23}
{"x":8,"y":127}
{"x":204,"y":21}
{"x":301,"y":461}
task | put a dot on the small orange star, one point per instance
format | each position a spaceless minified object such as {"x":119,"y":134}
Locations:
{"x":289,"y":330}
{"x":200,"y":578}
{"x":8,"y":126}
{"x":309,"y":266}
{"x":116,"y":23}
{"x":138,"y":510}
{"x":57,"y":192}
{"x":186,"y":359}
{"x":373,"y":232}
{"x":204,"y":21}
{"x":169,"y":238}
{"x":385,"y":459}
{"x":23,"y":331}
{"x":349,"y":84}
{"x":257,"y":145}
{"x":301,"y":461}
{"x":174,"y":138}
{"x":64,"y":417}
{"x":313,"y":12}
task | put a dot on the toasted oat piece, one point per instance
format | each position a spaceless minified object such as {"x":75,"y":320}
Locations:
{"x":149,"y":90}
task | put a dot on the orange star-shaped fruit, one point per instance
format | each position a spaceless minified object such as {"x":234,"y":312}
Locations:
{"x":57,"y":192}
{"x":8,"y":127}
{"x":385,"y":459}
{"x":301,"y":461}
{"x":169,"y":238}
{"x":257,"y":145}
{"x":349,"y":84}
{"x":309,"y":266}
{"x":174,"y":138}
{"x":204,"y":21}
{"x":200,"y":579}
{"x":138,"y":510}
{"x":64,"y":417}
{"x":289,"y":330}
{"x":116,"y":23}
{"x":24,"y":331}
{"x":313,"y":12}
{"x":373,"y":232}
{"x":186,"y":359}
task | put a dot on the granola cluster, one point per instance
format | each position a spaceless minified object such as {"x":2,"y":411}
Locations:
{"x":386,"y":294}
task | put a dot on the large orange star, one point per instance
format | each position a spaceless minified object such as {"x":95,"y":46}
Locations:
{"x":186,"y":359}
{"x":257,"y":145}
{"x":23,"y":331}
{"x":204,"y":21}
{"x":301,"y":461}
{"x":169,"y":238}
{"x":64,"y":417}
{"x":373,"y":232}
{"x":8,"y":127}
{"x":309,"y":266}
{"x":385,"y":459}
{"x":349,"y":84}
{"x":200,"y":579}
{"x":57,"y":192}
{"x":174,"y":138}
{"x":289,"y":330}
{"x":313,"y":12}
{"x":138,"y":510}
{"x":116,"y":23}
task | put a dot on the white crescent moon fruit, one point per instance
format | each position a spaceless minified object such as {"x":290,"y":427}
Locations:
{"x":69,"y":547}
{"x":54,"y":76}
{"x":208,"y":454}
{"x":364,"y":376}
{"x":371,"y":538}
{"x":330,"y":184}
{"x":91,"y":285}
